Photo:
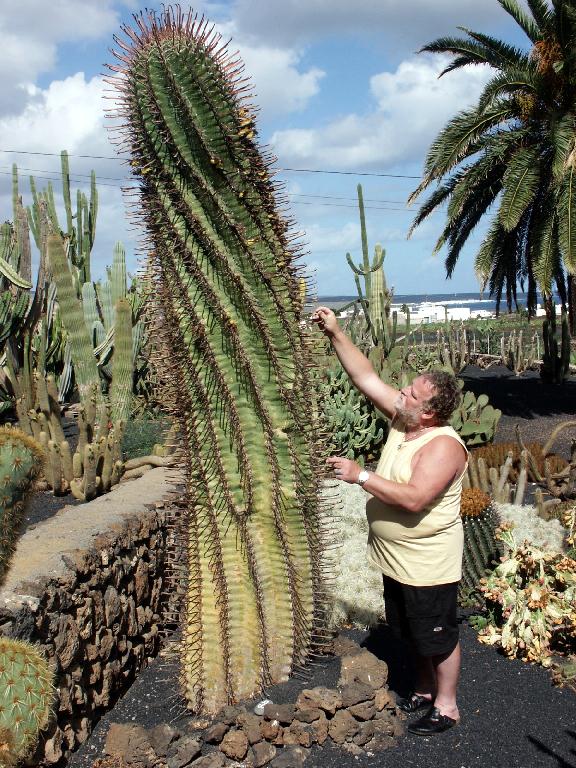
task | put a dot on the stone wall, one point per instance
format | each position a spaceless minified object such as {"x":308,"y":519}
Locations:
{"x":89,"y":586}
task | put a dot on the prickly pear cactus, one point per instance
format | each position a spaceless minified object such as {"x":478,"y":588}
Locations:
{"x":27,"y":694}
{"x":236,"y":362}
{"x":21,"y":461}
{"x":356,"y":428}
{"x":475,"y":419}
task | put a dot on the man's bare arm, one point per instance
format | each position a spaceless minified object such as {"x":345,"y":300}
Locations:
{"x":355,"y":363}
{"x":434,"y":468}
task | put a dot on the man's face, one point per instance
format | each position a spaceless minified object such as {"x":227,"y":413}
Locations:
{"x":412,"y":400}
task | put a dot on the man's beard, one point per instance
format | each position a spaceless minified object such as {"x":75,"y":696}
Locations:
{"x":409,"y":418}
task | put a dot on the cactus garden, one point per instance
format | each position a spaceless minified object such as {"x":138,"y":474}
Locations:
{"x":182,"y":580}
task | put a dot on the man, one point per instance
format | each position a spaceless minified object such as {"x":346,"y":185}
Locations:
{"x":415,"y":530}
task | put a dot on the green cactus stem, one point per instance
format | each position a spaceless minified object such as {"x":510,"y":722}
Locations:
{"x":236,"y":362}
{"x":85,"y":368}
{"x":26,"y":682}
{"x":376,"y":298}
{"x":122,"y":365}
{"x":556,"y":358}
{"x":21,"y":461}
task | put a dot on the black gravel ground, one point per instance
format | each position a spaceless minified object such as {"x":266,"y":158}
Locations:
{"x":511,"y":715}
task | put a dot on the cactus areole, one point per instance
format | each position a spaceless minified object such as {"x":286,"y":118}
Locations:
{"x":236,"y":360}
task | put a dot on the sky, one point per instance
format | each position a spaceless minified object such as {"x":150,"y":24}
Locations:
{"x":343,"y":95}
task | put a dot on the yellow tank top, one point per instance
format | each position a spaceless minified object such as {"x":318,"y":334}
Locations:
{"x":420,"y":549}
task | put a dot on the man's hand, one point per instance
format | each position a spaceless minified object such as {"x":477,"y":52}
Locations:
{"x":326,"y":321}
{"x":344,"y":469}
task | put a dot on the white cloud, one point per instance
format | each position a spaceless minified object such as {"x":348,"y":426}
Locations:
{"x":413,"y":23}
{"x":67,"y":114}
{"x":411,"y":106}
{"x":31,"y":32}
{"x":279,"y":87}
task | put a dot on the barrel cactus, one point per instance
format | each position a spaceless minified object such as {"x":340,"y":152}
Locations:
{"x":236,"y":363}
{"x":481,"y":548}
{"x":26,"y":681}
{"x":21,"y":461}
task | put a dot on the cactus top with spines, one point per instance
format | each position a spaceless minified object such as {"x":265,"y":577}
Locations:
{"x":237,"y":367}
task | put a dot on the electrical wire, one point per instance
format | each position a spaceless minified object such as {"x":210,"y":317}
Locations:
{"x":377,"y":174}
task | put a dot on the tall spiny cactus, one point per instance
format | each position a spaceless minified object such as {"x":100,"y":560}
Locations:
{"x":230,"y":305}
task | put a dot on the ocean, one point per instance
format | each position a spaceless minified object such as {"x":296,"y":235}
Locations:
{"x":474,"y":301}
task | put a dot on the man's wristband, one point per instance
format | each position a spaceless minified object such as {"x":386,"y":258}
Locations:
{"x":363,"y":477}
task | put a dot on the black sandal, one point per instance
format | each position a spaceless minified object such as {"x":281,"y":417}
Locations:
{"x":413,"y":703}
{"x":432,"y":722}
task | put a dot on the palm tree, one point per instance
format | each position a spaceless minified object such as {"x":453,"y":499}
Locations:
{"x":513,"y":154}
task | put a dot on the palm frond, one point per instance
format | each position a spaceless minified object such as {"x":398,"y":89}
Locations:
{"x":565,"y":22}
{"x":563,"y":140}
{"x":435,"y":200}
{"x":459,"y":46}
{"x":458,"y":63}
{"x":543,"y":15}
{"x":486,"y":172}
{"x":520,"y":185}
{"x":454,"y":142}
{"x":488,"y":252}
{"x":544,"y":250}
{"x":508,"y":83}
{"x":567,"y":218}
{"x":498,"y":53}
{"x":529,"y":25}
{"x":458,"y":230}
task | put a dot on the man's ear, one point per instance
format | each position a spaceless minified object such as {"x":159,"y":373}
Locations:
{"x":428,"y":416}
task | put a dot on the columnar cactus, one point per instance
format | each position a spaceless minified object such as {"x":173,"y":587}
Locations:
{"x":236,"y":362}
{"x":556,"y":358}
{"x":26,"y":682}
{"x":377,"y":299}
{"x":21,"y":460}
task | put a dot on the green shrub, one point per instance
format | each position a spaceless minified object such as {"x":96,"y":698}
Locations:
{"x":142,"y":434}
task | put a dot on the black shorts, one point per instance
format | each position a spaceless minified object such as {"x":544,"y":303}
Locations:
{"x":426,"y":616}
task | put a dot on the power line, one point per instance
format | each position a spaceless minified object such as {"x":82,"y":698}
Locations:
{"x":56,"y":178}
{"x":293,"y":202}
{"x":351,"y":173}
{"x":291,"y":170}
{"x":81,"y":177}
{"x":349,"y":205}
{"x":340,"y":197}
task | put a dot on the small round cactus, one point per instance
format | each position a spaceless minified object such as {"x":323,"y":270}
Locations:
{"x":27,"y":693}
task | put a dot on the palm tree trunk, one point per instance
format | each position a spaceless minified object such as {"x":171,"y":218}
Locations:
{"x":572,"y":304}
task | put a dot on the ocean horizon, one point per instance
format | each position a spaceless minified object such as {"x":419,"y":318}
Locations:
{"x":473,"y":300}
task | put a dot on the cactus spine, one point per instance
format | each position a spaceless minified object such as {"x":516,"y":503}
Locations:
{"x":26,"y":682}
{"x":230,"y":307}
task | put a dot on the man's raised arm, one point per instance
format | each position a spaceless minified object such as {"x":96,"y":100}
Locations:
{"x":355,"y":363}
